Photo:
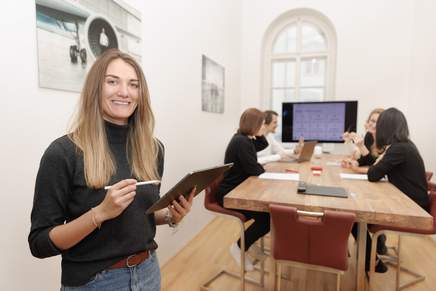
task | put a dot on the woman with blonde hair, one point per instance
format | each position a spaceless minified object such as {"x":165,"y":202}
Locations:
{"x":242,"y":152}
{"x":104,"y":236}
{"x":366,"y":150}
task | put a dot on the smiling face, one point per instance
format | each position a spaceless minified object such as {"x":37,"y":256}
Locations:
{"x":120,"y":92}
{"x":372,"y":122}
{"x":271,"y":128}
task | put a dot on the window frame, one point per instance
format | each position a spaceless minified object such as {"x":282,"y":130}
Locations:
{"x":297,"y":16}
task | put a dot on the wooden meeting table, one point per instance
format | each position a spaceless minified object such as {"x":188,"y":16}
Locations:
{"x":373,"y":203}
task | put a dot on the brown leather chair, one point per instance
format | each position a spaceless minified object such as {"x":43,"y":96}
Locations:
{"x":431,"y":187}
{"x":395,"y":260}
{"x":211,"y":203}
{"x":428,"y":175}
{"x":311,"y":240}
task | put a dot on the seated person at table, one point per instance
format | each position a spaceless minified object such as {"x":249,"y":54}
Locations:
{"x":400,"y":162}
{"x":366,"y":151}
{"x":275,"y":150}
{"x":241,"y":151}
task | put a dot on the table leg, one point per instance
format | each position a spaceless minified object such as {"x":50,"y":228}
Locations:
{"x":361,"y":252}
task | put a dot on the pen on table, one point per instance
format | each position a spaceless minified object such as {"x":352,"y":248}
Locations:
{"x":139,"y":183}
{"x":291,"y":171}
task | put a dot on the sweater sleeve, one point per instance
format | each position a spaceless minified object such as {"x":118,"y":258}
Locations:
{"x":52,"y":189}
{"x":394,"y":156}
{"x":248,"y":158}
{"x":369,"y":159}
{"x":260,"y":143}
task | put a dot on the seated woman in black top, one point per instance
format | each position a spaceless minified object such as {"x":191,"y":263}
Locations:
{"x":400,"y":162}
{"x":241,"y":151}
{"x":366,"y":151}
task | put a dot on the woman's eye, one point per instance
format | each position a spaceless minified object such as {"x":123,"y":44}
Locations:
{"x":134,"y":85}
{"x":111,"y":82}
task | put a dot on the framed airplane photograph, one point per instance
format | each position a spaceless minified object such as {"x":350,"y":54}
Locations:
{"x":72,"y":34}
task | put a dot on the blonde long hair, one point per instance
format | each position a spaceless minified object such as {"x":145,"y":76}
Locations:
{"x":89,"y":134}
{"x":374,"y":150}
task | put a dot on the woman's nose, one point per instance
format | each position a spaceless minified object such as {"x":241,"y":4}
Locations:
{"x":122,"y":90}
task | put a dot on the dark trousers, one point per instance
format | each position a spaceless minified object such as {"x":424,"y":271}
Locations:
{"x":257,"y":229}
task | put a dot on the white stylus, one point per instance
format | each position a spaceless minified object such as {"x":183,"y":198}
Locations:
{"x":138,"y":183}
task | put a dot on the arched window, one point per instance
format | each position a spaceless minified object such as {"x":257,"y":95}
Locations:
{"x":299,"y":53}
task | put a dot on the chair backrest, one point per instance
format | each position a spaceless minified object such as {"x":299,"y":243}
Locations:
{"x":210,"y":192}
{"x":322,"y":242}
{"x":432,"y":196}
{"x":211,"y":202}
{"x":428,"y":176}
{"x":431,"y":186}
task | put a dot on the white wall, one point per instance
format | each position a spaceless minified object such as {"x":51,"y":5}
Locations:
{"x":385,"y":56}
{"x":176,"y":34}
{"x":422,"y":97}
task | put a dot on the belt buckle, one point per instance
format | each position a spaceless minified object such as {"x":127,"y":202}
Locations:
{"x":127,"y":261}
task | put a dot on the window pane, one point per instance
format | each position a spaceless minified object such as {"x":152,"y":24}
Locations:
{"x":313,"y":39}
{"x":311,"y":94}
{"x":312,"y":73}
{"x":278,"y":97}
{"x":286,"y":42}
{"x":283,"y":74}
{"x":281,"y":95}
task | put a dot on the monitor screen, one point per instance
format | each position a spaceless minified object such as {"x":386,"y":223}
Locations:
{"x":320,"y":121}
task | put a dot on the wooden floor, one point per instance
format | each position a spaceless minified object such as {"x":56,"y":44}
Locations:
{"x":208,"y":252}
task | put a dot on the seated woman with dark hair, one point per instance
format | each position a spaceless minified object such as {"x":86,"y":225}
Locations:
{"x":241,"y":151}
{"x":400,"y":162}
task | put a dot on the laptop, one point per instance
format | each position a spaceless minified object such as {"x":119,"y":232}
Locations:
{"x":305,"y":154}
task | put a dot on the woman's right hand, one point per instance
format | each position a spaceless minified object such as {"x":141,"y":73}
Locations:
{"x":349,"y":163}
{"x":117,"y":198}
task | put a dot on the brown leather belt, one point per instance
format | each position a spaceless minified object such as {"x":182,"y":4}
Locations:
{"x":132,"y":260}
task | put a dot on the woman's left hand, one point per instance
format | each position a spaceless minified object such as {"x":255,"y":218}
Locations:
{"x":180,"y":209}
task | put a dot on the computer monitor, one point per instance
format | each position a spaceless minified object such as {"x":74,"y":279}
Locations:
{"x":321,"y":121}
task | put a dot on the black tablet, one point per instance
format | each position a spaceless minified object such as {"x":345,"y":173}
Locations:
{"x":200,"y":178}
{"x":311,"y":189}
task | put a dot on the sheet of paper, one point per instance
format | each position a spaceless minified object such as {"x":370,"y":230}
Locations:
{"x":358,"y":177}
{"x":354,"y":176}
{"x":280,"y":176}
{"x":333,"y":164}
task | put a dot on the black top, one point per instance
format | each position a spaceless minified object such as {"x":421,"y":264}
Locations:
{"x":404,"y":167}
{"x":369,"y":159}
{"x":61,"y":195}
{"x":242,"y":152}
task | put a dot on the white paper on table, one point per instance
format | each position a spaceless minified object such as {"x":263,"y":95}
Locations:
{"x":358,"y":177}
{"x":280,"y":176}
{"x":333,"y":164}
{"x":354,"y":176}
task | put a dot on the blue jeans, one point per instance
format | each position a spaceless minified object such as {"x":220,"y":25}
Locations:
{"x":143,"y":277}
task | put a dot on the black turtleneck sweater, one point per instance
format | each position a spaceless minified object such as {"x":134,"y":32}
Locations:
{"x":61,"y":195}
{"x":242,"y":152}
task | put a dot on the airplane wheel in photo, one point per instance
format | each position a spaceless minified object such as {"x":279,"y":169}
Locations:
{"x":73,"y":53}
{"x":83,"y":56}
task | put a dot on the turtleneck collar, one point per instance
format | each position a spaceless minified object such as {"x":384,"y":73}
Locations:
{"x":116,"y":133}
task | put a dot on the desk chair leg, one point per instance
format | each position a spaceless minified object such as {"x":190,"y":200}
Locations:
{"x":240,"y":275}
{"x":394,"y":261}
{"x":397,"y":279}
{"x":242,"y":257}
{"x":279,"y":276}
